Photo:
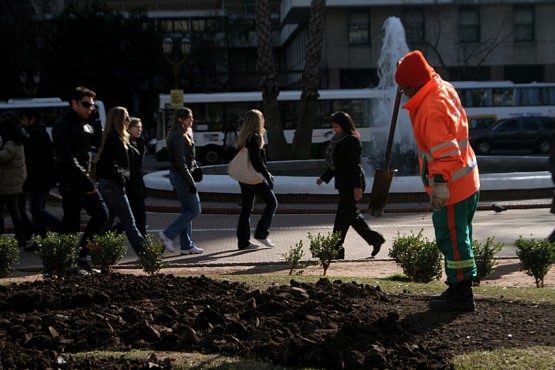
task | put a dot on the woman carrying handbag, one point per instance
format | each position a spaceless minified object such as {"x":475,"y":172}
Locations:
{"x":251,"y":137}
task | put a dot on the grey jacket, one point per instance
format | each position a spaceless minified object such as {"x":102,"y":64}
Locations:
{"x":12,"y":168}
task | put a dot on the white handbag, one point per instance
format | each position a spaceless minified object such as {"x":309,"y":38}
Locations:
{"x":240,"y":168}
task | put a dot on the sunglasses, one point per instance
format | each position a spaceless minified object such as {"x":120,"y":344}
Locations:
{"x":87,"y":105}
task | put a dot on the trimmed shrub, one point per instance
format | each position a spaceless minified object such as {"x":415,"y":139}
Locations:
{"x":294,"y":256}
{"x":106,"y":250}
{"x":419,"y":258}
{"x":152,"y":259}
{"x":9,"y":254}
{"x":324,"y":248}
{"x":57,"y":252}
{"x":536,"y":258}
{"x":484,"y":256}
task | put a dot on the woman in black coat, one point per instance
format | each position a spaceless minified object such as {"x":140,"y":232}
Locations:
{"x":343,"y":156}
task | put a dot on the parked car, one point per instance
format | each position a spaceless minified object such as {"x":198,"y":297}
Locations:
{"x":481,"y":121}
{"x":523,"y":133}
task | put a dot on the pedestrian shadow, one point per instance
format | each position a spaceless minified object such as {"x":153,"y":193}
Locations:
{"x":263,"y":269}
{"x":503,"y":270}
{"x":210,"y":256}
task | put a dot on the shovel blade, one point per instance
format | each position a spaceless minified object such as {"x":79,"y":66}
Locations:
{"x":380,"y":192}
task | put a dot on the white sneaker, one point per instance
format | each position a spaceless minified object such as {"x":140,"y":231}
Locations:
{"x":266,"y":242}
{"x":194,"y":250}
{"x":167,"y":241}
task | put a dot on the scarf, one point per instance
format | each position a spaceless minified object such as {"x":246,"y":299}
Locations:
{"x":331,"y":148}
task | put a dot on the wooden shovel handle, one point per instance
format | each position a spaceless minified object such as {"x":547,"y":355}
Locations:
{"x":392,"y":128}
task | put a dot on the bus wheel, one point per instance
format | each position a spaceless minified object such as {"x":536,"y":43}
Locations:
{"x":211,"y":154}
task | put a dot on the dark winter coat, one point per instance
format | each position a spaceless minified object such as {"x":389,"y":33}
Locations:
{"x":73,"y":139}
{"x":113,"y":162}
{"x":39,"y":159}
{"x":348,"y":170}
{"x":136,"y":185}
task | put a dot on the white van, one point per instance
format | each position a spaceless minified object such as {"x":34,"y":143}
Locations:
{"x":49,"y":109}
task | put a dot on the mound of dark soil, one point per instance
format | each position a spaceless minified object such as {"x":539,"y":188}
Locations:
{"x":330,"y":324}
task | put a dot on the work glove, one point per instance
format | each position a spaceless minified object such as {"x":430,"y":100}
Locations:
{"x":439,"y":195}
{"x":193,"y":190}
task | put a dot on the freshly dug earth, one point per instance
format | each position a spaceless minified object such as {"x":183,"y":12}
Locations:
{"x":332,"y":324}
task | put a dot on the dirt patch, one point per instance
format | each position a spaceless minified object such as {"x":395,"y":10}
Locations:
{"x":329,"y":324}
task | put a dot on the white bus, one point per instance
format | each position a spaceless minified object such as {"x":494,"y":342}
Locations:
{"x":49,"y":109}
{"x":214,"y":112}
{"x":484,"y":102}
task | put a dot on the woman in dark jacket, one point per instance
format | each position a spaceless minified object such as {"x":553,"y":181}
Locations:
{"x":181,"y":151}
{"x":343,"y":155}
{"x":112,"y":173}
{"x":135,"y":188}
{"x":251,"y":136}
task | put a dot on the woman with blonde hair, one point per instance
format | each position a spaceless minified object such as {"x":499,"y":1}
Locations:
{"x":112,"y":173}
{"x":251,"y":136}
{"x":181,"y":151}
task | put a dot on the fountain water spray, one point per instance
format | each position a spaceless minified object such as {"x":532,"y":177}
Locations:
{"x":394,"y":47}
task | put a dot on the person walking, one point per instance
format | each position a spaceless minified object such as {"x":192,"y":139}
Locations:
{"x":113,"y":173}
{"x":41,"y":176}
{"x":343,"y":156}
{"x":181,"y":151}
{"x":12,"y":172}
{"x":251,"y":136}
{"x":73,"y":136}
{"x":449,"y":171}
{"x":135,"y":188}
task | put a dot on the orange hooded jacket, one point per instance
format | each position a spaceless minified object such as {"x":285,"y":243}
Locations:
{"x":441,"y":131}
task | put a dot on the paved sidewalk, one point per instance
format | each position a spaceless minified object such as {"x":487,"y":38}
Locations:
{"x":214,"y":230}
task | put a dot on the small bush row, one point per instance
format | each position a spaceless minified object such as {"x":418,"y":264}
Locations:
{"x":422,"y":261}
{"x":58,"y":253}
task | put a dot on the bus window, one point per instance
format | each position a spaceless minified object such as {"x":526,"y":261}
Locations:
{"x":530,"y":96}
{"x":502,"y":97}
{"x":480,"y":98}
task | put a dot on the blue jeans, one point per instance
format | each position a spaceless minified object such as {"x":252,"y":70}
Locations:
{"x":117,"y":200}
{"x":190,"y":209}
{"x":42,"y":219}
{"x":248,"y":195}
{"x":73,"y":200}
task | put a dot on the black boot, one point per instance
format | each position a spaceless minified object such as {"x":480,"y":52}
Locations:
{"x":445,"y":294}
{"x":459,"y":298}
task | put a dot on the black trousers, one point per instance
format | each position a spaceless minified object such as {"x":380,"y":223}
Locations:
{"x":348,"y":215}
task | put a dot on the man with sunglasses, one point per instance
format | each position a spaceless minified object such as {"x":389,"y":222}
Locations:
{"x":74,"y":135}
{"x":449,"y":172}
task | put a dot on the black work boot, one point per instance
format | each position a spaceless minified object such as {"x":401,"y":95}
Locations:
{"x":445,"y":294}
{"x":459,"y":298}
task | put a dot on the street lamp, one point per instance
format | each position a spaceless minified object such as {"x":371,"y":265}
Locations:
{"x":30,"y":87}
{"x":185,"y":49}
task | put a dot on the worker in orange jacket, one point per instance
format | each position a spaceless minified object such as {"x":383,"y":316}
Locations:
{"x":449,"y":172}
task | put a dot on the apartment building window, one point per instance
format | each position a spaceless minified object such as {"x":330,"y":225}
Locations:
{"x":413,"y":22}
{"x":359,"y":29}
{"x":524,"y":24}
{"x":469,"y":25}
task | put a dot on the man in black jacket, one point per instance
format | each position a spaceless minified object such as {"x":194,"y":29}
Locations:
{"x":73,"y":135}
{"x":41,"y":176}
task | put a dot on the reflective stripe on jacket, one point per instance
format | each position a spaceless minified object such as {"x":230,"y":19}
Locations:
{"x":441,"y":131}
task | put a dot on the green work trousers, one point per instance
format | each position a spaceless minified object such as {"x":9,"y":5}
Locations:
{"x":453,"y":229}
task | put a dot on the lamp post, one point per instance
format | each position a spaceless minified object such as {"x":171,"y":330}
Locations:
{"x":28,"y":85}
{"x":178,"y":61}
